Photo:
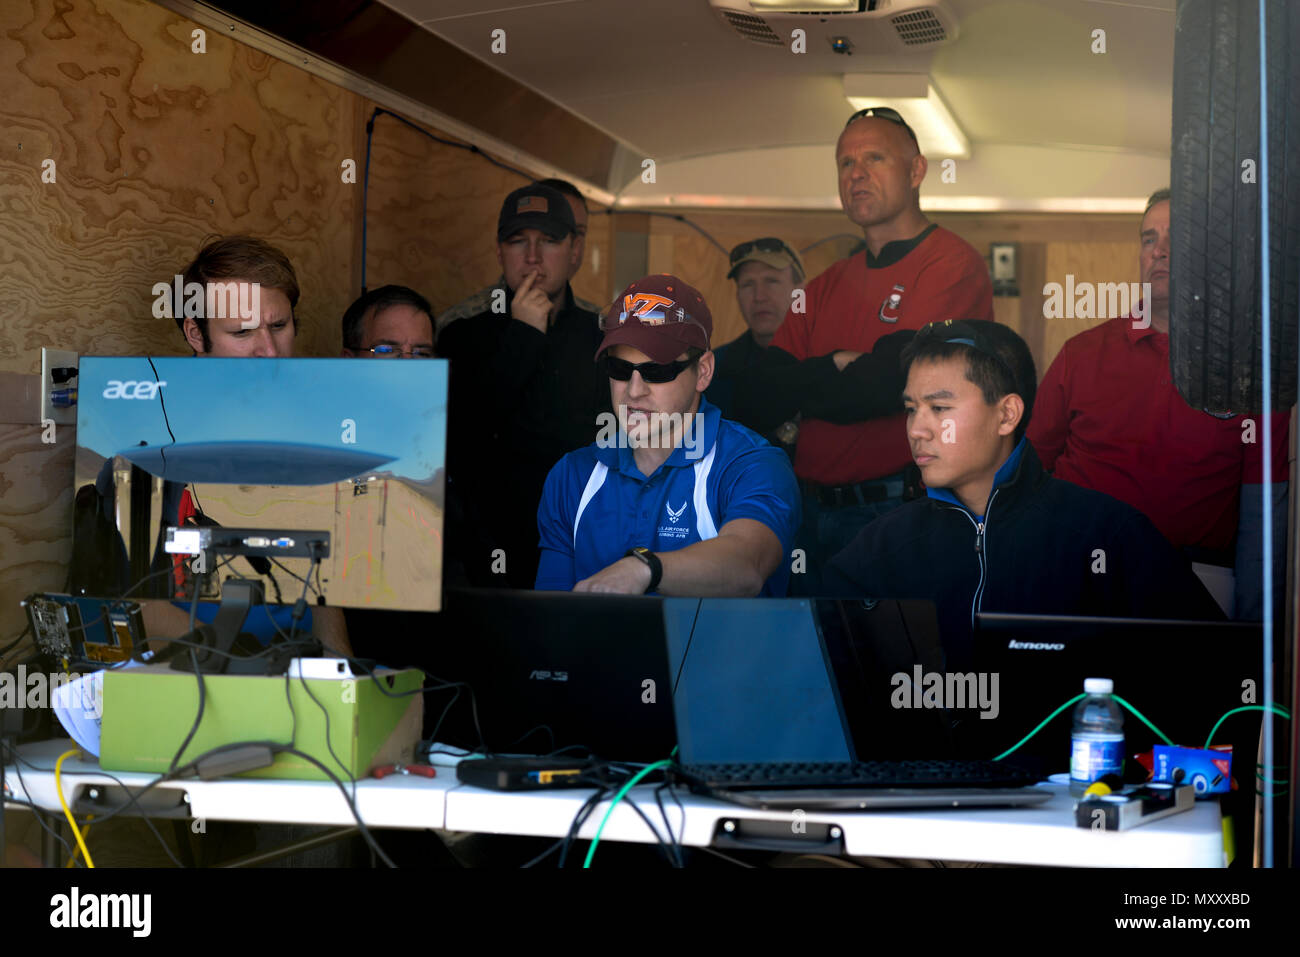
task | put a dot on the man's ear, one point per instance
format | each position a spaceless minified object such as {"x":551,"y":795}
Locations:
{"x":1011,"y":409}
{"x":919,"y":166}
{"x":190,"y":329}
{"x":704,"y":371}
{"x":500,"y":259}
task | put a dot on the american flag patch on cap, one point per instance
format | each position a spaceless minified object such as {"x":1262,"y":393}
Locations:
{"x":531,"y":204}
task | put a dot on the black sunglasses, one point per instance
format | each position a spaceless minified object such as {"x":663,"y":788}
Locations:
{"x":654,"y":372}
{"x":768,"y":244}
{"x":885,"y":113}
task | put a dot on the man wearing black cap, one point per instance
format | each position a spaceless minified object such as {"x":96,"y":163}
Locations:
{"x":482,"y":300}
{"x":673,"y":499}
{"x":766,"y":271}
{"x":524,"y":390}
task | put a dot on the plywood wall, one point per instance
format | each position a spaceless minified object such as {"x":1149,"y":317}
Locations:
{"x":155,"y":147}
{"x":431,"y":219}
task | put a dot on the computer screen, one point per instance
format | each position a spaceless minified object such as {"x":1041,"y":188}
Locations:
{"x":348,"y":447}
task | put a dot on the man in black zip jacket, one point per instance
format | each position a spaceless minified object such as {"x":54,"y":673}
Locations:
{"x":995,"y":532}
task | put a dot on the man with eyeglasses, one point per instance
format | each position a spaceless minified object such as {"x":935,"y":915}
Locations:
{"x":523,"y":388}
{"x":675,"y":500}
{"x":836,"y":363}
{"x":388,"y":322}
{"x":994,"y":531}
{"x":767,"y":271}
{"x":482,"y":300}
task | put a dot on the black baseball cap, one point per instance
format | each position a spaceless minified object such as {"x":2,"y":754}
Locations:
{"x":536,"y":207}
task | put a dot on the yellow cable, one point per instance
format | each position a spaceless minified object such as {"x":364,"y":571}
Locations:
{"x":76,"y":851}
{"x":58,"y":786}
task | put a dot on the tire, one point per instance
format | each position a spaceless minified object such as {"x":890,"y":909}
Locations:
{"x":1215,"y":294}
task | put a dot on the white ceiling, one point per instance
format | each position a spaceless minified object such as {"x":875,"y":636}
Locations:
{"x":1052,"y":125}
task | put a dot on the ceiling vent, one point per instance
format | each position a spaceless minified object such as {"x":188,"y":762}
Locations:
{"x":875,"y":28}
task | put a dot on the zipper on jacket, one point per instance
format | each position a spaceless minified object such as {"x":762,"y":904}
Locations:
{"x":980,"y":528}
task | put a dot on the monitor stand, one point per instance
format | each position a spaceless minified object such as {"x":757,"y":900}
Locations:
{"x":238,"y":598}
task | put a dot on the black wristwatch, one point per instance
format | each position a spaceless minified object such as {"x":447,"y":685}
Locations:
{"x":651,"y":559}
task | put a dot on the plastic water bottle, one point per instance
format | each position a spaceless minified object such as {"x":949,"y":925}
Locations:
{"x":1097,"y":741}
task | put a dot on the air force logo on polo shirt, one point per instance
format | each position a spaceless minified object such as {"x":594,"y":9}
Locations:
{"x":675,"y":529}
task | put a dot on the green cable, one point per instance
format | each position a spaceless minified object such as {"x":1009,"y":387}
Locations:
{"x":1143,"y":718}
{"x":1067,"y":704}
{"x":591,"y":851}
{"x":1040,"y":727}
{"x":1249,"y":707}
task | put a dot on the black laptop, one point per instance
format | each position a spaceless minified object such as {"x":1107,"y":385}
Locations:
{"x":799,"y":703}
{"x":555,"y":671}
{"x":1182,"y":675}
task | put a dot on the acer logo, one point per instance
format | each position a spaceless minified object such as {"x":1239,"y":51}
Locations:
{"x":1034,"y":646}
{"x":132,"y":389}
{"x":549,"y":676}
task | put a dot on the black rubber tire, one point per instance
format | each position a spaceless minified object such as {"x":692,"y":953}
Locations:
{"x":1215,"y":239}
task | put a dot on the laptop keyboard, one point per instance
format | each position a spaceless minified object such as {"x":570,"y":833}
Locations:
{"x":864,"y":774}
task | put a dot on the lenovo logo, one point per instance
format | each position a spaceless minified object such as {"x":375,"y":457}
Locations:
{"x":132,"y":389}
{"x":549,"y":676}
{"x":1014,"y":645}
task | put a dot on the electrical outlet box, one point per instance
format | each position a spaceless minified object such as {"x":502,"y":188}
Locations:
{"x":54,"y":394}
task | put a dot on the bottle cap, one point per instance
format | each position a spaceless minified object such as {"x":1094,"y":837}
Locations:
{"x":1098,"y":686}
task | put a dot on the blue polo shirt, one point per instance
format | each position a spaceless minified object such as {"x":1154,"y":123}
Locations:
{"x":596,"y":503}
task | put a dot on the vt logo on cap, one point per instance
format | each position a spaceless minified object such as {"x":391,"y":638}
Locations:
{"x":646,"y":307}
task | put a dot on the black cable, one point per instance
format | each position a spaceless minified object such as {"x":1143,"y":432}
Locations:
{"x":289,"y":571}
{"x":352,"y":805}
{"x":147,"y":819}
{"x":162,"y":451}
{"x":579,"y":819}
{"x":203,"y":697}
{"x":668,"y":825}
{"x":687,"y":650}
{"x":663,"y":846}
{"x":328,"y":743}
{"x":729,"y":860}
{"x":17,"y":641}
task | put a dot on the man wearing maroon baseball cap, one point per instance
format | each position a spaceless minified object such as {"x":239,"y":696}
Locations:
{"x":671,"y":498}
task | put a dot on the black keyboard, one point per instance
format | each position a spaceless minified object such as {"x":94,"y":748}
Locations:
{"x":865,"y":774}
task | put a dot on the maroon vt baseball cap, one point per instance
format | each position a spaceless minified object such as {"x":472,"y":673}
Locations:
{"x":661,"y":316}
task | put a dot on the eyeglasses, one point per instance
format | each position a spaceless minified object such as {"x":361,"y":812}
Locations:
{"x":885,"y":113}
{"x":392,"y":352}
{"x":653,"y":372}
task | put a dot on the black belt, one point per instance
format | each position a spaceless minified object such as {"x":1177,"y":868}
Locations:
{"x":860,"y":493}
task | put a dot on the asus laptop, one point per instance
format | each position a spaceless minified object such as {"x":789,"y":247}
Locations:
{"x":554,"y":671}
{"x":800,"y":703}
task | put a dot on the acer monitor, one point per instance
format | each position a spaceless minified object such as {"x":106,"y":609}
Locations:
{"x":347,"y":449}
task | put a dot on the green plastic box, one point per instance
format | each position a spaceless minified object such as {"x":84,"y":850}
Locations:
{"x":148,"y":712}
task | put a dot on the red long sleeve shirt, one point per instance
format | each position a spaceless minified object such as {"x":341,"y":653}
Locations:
{"x":1108,"y":417}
